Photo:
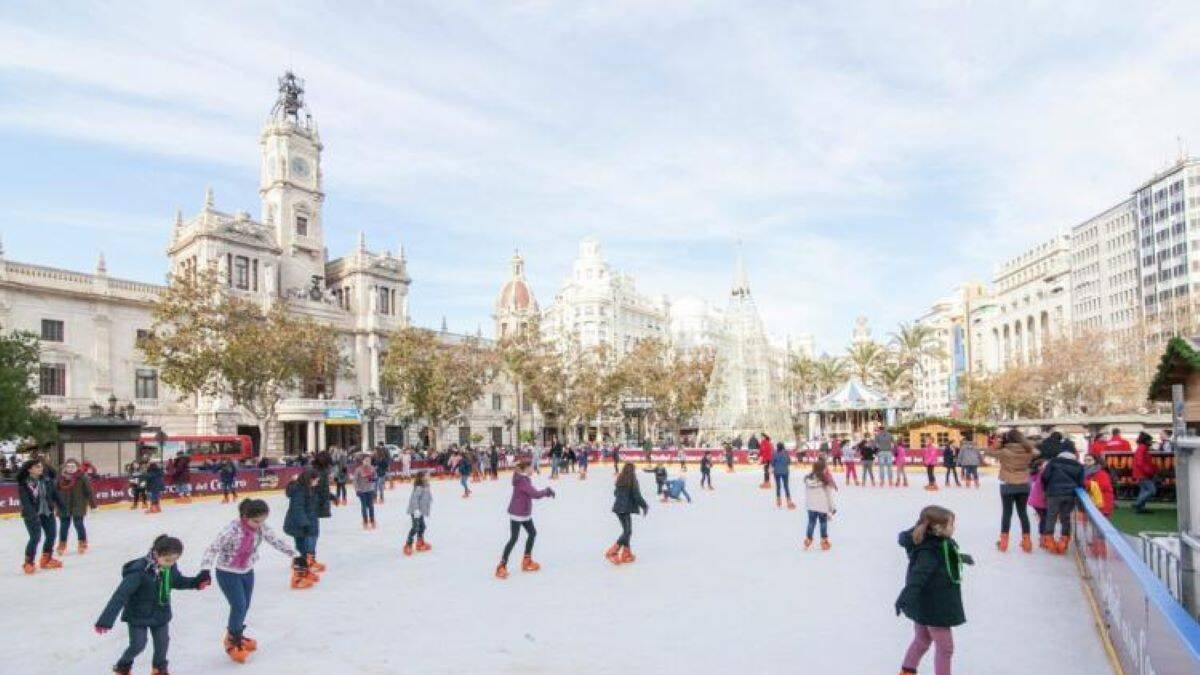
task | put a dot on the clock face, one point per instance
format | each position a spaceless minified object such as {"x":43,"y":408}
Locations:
{"x":299,"y":167}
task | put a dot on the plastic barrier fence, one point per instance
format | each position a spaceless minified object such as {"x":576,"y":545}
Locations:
{"x":1151,"y":632}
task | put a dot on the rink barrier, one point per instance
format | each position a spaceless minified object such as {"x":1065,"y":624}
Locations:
{"x":112,"y":490}
{"x":1150,"y":632}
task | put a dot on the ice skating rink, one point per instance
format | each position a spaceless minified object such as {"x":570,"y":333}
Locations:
{"x":720,"y":586}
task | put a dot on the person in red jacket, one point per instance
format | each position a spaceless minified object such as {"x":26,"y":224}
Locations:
{"x":1143,"y":472}
{"x":1095,"y":472}
{"x":1098,"y":446}
{"x":766,"y":451}
{"x":1119,"y":444}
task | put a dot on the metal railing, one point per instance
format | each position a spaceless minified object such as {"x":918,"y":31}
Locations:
{"x":1163,"y":560}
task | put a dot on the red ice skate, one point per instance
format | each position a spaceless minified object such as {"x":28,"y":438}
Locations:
{"x":48,"y":562}
{"x":408,"y":549}
{"x":301,"y":578}
{"x":1047,"y":542}
{"x":1026,"y":544}
{"x":791,"y":505}
{"x":825,"y":545}
{"x":236,"y":649}
{"x":501,"y":571}
{"x":807,"y":543}
{"x":627,"y":555}
{"x":61,"y":548}
{"x":422,"y":546}
{"x":1061,"y":546}
{"x":528,"y":565}
{"x":313,"y":565}
{"x":613,"y":554}
{"x":29,"y":567}
{"x":1002,"y":544}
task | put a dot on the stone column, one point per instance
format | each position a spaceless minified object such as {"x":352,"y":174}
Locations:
{"x":311,"y":429}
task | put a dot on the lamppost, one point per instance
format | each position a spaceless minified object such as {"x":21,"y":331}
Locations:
{"x":508,"y":423}
{"x":371,"y":412}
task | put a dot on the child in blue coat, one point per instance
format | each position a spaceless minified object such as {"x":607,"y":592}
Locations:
{"x":143,"y":599}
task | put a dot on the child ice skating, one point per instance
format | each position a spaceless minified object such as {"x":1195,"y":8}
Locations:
{"x":155,"y":484}
{"x":901,"y":465}
{"x":39,"y":502}
{"x":76,"y":496}
{"x":950,"y":461}
{"x":227,"y":476}
{"x":706,"y":471}
{"x":969,"y":458}
{"x":781,"y":464}
{"x":143,"y":601}
{"x":419,"y":503}
{"x":520,"y":515}
{"x":819,"y":487}
{"x":766,"y":452}
{"x":627,"y":500}
{"x":674,"y":488}
{"x":660,"y":477}
{"x":850,"y":461}
{"x":364,"y":488}
{"x":929,"y":457}
{"x":463,"y":468}
{"x":300,"y":522}
{"x":233,"y":554}
{"x":932,"y":596}
{"x":341,"y":477}
{"x":1060,"y":478}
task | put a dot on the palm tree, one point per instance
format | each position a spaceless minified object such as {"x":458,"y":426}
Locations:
{"x":865,"y":359}
{"x":828,"y":373}
{"x":802,"y":377}
{"x":895,"y":379}
{"x":913,"y":344}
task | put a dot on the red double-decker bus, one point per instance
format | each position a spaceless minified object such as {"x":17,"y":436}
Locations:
{"x":199,"y":448}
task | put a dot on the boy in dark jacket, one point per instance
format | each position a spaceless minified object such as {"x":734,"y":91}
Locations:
{"x":155,"y":484}
{"x":143,"y":599}
{"x":1061,"y":476}
{"x":40,"y":500}
{"x":660,"y":477}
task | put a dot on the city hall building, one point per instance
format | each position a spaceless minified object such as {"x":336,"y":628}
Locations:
{"x":90,"y":323}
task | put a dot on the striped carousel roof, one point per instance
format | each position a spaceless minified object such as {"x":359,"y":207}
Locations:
{"x":854,"y":395}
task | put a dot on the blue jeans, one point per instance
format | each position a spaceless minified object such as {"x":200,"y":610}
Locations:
{"x":366,"y":501}
{"x":64,"y":528}
{"x":554,"y":467}
{"x":462,"y":480}
{"x":380,"y":482}
{"x":237,"y":589}
{"x":886,"y":461}
{"x":137,"y":643}
{"x":815,"y":517}
{"x":35,"y":528}
{"x":782,"y":482}
{"x":1146,"y":491}
{"x":301,"y":546}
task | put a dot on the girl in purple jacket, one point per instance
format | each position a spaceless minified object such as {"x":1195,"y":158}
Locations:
{"x":520,"y":514}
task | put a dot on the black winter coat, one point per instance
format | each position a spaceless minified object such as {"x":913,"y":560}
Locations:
{"x":29,"y":502}
{"x":1061,"y":476}
{"x":154,"y":479}
{"x":629,"y":500}
{"x":301,"y":517}
{"x":931,"y":595}
{"x":323,"y":495}
{"x":138,"y":599}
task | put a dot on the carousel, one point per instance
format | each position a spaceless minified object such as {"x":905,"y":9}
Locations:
{"x":852,"y":410}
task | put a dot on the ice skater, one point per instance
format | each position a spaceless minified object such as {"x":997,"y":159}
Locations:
{"x":300,"y":522}
{"x":950,"y":461}
{"x":76,"y":497}
{"x":520,"y":515}
{"x":227,"y":477}
{"x":143,"y":600}
{"x":969,"y":459}
{"x":901,"y":465}
{"x":674,"y":488}
{"x":819,"y":487}
{"x":365,"y":485}
{"x":419,"y":503}
{"x":627,"y":500}
{"x":781,"y":464}
{"x":1015,"y":455}
{"x":706,"y":470}
{"x":932,"y":595}
{"x":233,"y":554}
{"x":341,"y":477}
{"x":39,"y":501}
{"x":866,"y":451}
{"x":660,"y":477}
{"x":681,"y":455}
{"x":582,"y":459}
{"x":616,"y":457}
{"x":850,"y":461}
{"x":463,"y":468}
{"x":929,"y":457}
{"x":1061,"y":477}
{"x":728,"y":458}
{"x":155,"y":483}
{"x":765,"y":455}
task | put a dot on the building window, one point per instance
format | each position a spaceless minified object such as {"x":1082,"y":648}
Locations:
{"x":464,"y":436}
{"x":52,"y":330}
{"x":241,"y":273}
{"x":496,"y":400}
{"x":140,"y":338}
{"x":526,"y":406}
{"x":145,"y":384}
{"x":301,"y":226}
{"x":254,"y":274}
{"x":52,"y":379}
{"x":385,"y":300}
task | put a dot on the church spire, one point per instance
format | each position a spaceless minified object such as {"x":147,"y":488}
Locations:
{"x":209,"y":201}
{"x":741,"y":283}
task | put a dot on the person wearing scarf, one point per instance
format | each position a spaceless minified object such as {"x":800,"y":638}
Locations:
{"x":76,"y":495}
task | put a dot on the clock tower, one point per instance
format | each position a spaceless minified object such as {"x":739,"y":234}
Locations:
{"x":290,"y":186}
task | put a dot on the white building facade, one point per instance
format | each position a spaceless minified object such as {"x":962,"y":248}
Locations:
{"x":1031,"y":303}
{"x":90,"y":323}
{"x":1105,"y":277}
{"x":938,"y":377}
{"x":1167,"y":210}
{"x":599,"y":306}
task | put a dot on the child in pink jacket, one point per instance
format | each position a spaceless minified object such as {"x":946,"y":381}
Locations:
{"x":930,"y":456}
{"x":901,"y":464}
{"x":1037,"y":494}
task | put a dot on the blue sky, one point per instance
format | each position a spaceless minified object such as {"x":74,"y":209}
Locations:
{"x":870,"y":158}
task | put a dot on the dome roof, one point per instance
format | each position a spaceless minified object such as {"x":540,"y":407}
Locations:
{"x":516,"y":296}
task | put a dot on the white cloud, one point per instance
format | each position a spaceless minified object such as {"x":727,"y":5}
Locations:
{"x":870,"y":157}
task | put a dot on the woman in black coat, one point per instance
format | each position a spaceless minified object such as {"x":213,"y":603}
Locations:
{"x":40,"y":502}
{"x":627,"y":500}
{"x":300,"y":522}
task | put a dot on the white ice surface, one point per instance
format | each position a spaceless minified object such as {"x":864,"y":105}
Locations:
{"x":720,"y":586}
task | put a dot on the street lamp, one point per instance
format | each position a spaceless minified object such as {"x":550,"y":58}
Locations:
{"x":508,"y":422}
{"x":371,"y":412}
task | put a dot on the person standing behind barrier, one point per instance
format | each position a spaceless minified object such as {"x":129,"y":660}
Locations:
{"x":1144,"y":472}
{"x":1015,"y":455}
{"x":884,"y":445}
